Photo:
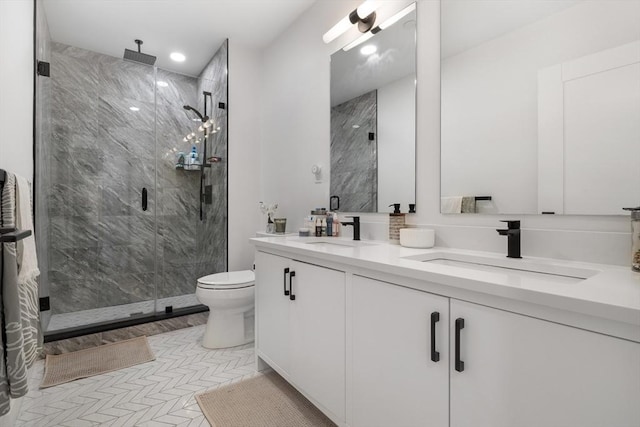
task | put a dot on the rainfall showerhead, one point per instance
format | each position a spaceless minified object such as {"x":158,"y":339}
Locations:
{"x":143,"y":58}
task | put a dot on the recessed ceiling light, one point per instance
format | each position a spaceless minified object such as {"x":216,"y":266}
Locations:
{"x":134,"y":109}
{"x":177,"y":56}
{"x":368,"y":49}
{"x":160,"y":83}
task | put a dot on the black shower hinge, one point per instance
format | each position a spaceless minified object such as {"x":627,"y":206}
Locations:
{"x":222,"y":105}
{"x":44,"y":69}
{"x":372,"y":136}
{"x":45,"y":304}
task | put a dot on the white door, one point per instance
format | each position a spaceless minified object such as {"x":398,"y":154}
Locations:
{"x":589,"y":133}
{"x":318,"y":335}
{"x":395,"y":380}
{"x":520,"y":371}
{"x":272,"y":310}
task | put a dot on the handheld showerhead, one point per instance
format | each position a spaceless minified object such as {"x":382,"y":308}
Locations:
{"x":200,"y":116}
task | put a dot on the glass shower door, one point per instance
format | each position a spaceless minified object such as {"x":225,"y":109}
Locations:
{"x":101,"y":240}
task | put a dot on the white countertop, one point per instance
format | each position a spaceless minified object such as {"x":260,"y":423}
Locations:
{"x":611,"y":293}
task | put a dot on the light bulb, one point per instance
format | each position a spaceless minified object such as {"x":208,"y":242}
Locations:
{"x":189,"y":137}
{"x":200,"y":129}
{"x":177,"y":56}
{"x":367,"y":8}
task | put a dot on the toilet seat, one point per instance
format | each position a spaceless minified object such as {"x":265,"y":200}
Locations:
{"x":228,"y":280}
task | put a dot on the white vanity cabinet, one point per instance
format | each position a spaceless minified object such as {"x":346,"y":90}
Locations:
{"x":400,"y":348}
{"x":300,"y":315}
{"x":521,"y":371}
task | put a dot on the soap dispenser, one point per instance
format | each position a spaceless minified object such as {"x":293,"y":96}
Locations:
{"x":396,"y":222}
{"x":635,"y":238}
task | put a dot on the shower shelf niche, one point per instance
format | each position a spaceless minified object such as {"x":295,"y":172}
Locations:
{"x":194,"y":168}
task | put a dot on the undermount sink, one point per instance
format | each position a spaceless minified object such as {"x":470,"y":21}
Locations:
{"x":330,"y":242}
{"x":539,"y":269}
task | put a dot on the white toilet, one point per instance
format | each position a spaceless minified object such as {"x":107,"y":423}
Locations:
{"x":230,"y":297}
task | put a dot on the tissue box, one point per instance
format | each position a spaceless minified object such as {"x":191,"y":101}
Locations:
{"x":417,"y":237}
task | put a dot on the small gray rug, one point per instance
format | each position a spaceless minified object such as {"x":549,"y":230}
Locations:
{"x":62,"y":368}
{"x":263,"y":401}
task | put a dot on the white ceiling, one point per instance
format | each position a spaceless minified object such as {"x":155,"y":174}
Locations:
{"x":195,"y":28}
{"x":469,"y":23}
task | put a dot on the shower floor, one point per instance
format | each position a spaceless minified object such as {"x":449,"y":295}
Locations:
{"x":117,"y":312}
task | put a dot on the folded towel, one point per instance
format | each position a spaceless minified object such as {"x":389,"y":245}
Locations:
{"x":469,"y":204}
{"x":451,"y":204}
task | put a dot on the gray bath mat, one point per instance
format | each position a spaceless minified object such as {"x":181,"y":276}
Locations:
{"x":62,"y":368}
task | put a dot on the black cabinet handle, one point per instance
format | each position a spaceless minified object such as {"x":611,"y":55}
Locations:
{"x":286,"y":271}
{"x":459,"y":327}
{"x":291,"y":276}
{"x":435,"y":355}
{"x":144,"y":199}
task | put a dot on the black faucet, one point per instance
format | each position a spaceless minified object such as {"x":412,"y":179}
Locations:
{"x":513,"y":238}
{"x":356,"y":226}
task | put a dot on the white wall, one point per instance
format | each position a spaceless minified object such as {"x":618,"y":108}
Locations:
{"x":295,"y":133}
{"x":490,"y":99}
{"x":16,"y":87}
{"x":244,"y":153}
{"x":396,"y":144}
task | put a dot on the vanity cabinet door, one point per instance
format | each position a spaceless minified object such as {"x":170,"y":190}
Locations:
{"x":396,"y":379}
{"x":318,"y":335}
{"x":521,"y":371}
{"x":272,"y":310}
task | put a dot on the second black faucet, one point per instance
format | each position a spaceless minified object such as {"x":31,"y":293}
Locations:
{"x":513,"y":238}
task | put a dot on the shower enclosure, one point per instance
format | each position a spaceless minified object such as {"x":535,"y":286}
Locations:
{"x":123,"y":233}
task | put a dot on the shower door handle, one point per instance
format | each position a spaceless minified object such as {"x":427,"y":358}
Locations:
{"x":144,"y":199}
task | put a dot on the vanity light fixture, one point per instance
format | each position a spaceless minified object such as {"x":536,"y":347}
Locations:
{"x":364,"y":16}
{"x":177,"y":56}
{"x":386,"y":24}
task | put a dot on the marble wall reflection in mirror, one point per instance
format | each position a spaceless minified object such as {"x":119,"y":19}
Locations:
{"x":541,"y":105}
{"x":373,"y":113}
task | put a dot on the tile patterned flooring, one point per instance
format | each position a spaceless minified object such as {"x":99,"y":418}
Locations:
{"x":158,"y":393}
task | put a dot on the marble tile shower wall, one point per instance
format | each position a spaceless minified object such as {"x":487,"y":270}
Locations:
{"x":103,"y":247}
{"x":192,"y":248}
{"x":354,"y":157}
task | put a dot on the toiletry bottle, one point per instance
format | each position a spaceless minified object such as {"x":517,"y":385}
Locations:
{"x":324,"y":226}
{"x":329,"y":224}
{"x":635,"y":238}
{"x":336,"y":225}
{"x":318,"y":228}
{"x":396,"y":222}
{"x":193,"y":157}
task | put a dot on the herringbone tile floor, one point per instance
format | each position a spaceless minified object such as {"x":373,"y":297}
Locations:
{"x":158,"y":393}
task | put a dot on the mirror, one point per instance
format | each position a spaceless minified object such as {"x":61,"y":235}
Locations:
{"x":373,"y":112}
{"x":540,"y":106}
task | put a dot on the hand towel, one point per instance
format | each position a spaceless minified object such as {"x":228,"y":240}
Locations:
{"x":28,"y":274}
{"x":27,"y":257}
{"x":468,"y":204}
{"x":451,"y":204}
